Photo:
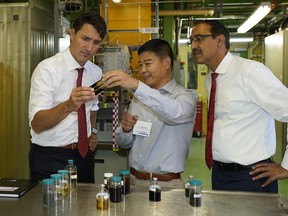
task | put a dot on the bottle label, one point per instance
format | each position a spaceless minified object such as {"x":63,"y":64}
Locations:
{"x":105,"y":195}
{"x":197,"y":195}
{"x":73,"y":176}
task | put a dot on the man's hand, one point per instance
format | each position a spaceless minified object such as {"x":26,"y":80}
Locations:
{"x":272,"y":171}
{"x":79,"y":96}
{"x":119,"y":78}
{"x":93,"y":141}
{"x":128,"y":121}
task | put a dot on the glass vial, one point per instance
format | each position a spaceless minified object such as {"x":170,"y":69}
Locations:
{"x":154,"y":190}
{"x":107,"y":177}
{"x":102,"y":198}
{"x":48,"y":192}
{"x":195,"y":193}
{"x":125,"y":181}
{"x":72,"y":175}
{"x":187,"y":185}
{"x":57,"y":185}
{"x":115,"y":189}
{"x":98,"y":87}
{"x":65,"y":186}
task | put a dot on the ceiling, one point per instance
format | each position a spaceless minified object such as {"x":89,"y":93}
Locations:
{"x":231,"y":12}
{"x":234,"y":12}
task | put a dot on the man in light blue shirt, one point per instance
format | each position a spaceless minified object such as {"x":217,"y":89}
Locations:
{"x":158,"y":126}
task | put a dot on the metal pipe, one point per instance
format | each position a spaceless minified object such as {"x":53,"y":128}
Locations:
{"x":56,"y":26}
{"x":156,"y":35}
{"x":185,"y":12}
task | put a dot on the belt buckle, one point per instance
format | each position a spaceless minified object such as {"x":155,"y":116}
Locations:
{"x":73,"y":146}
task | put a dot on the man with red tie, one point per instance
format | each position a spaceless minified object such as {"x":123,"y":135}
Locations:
{"x":62,"y":106}
{"x":245,"y":98}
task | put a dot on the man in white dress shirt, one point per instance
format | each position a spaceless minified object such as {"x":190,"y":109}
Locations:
{"x":248,"y":99}
{"x":55,"y":100}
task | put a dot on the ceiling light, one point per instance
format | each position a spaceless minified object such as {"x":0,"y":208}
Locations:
{"x":263,"y":9}
{"x":116,"y":1}
{"x":241,"y":40}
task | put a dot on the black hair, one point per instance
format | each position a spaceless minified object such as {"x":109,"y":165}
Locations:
{"x":93,"y":19}
{"x":159,"y":47}
{"x":217,"y":28}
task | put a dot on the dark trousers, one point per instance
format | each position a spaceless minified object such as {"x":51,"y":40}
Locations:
{"x":239,"y":180}
{"x":44,"y":161}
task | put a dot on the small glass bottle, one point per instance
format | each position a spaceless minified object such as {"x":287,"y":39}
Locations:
{"x":72,"y":180}
{"x":65,"y":186}
{"x":115,"y":189}
{"x":102,"y":198}
{"x":195,"y":193}
{"x":125,"y":181}
{"x":187,"y":185}
{"x":48,"y":192}
{"x":107,"y":177}
{"x":58,"y":185}
{"x":154,"y":190}
{"x":98,"y":87}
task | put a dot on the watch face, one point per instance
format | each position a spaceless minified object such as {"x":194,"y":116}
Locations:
{"x":94,"y":130}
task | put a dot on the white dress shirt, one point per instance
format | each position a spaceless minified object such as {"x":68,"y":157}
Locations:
{"x":52,"y":83}
{"x":248,"y":99}
{"x":172,"y":111}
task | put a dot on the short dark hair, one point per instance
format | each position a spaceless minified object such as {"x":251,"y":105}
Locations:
{"x":93,"y":19}
{"x":218,"y":28}
{"x":159,"y":47}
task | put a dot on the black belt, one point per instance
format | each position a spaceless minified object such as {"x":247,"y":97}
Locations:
{"x":235,"y":166}
{"x":71,"y":146}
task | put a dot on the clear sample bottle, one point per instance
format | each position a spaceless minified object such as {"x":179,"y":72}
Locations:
{"x":125,"y":181}
{"x":107,"y":177}
{"x":115,"y":189}
{"x":195,"y":193}
{"x":72,"y":176}
{"x":48,"y":192}
{"x":65,"y":187}
{"x":102,"y":198}
{"x":154,"y":190}
{"x":187,"y":185}
{"x":57,"y":185}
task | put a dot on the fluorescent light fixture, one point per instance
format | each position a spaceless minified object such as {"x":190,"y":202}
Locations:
{"x":263,"y":9}
{"x":116,"y":1}
{"x":232,"y":40}
{"x":241,"y":40}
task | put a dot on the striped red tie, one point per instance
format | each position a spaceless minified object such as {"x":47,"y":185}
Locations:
{"x":82,"y":124}
{"x":208,"y":150}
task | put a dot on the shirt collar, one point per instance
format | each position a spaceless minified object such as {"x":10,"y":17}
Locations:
{"x":72,"y":64}
{"x":224,"y":64}
{"x":169,"y":87}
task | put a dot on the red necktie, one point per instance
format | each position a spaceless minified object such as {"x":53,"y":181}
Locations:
{"x":82,"y":125}
{"x":208,"y":150}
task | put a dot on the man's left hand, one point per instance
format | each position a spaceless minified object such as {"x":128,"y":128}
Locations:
{"x":272,"y":171}
{"x":93,"y":142}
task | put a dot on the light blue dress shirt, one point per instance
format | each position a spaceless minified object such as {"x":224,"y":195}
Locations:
{"x":172,"y":111}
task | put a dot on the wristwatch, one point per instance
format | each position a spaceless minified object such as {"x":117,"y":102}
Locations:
{"x":94,"y":131}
